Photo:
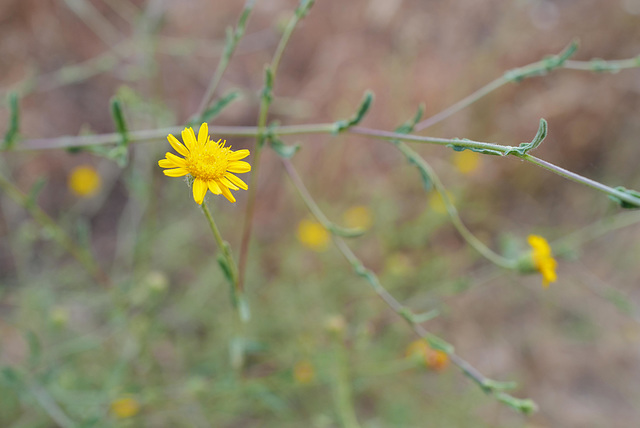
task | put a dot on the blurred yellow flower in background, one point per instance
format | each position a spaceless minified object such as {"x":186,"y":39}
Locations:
{"x":437,"y":203}
{"x":543,"y":259}
{"x":398,"y":264}
{"x":313,"y":235}
{"x":431,"y":358}
{"x":466,"y":161}
{"x":125,"y":407}
{"x":211,"y":164}
{"x":303,"y":372}
{"x":84,"y":181}
{"x":358,"y":217}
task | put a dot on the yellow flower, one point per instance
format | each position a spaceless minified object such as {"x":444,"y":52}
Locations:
{"x":84,"y":181}
{"x":358,"y":217}
{"x":466,"y":161}
{"x":303,"y":372}
{"x":543,"y":259}
{"x":431,"y":358}
{"x":125,"y":407}
{"x":436,"y":202}
{"x":313,"y":235}
{"x":209,"y":163}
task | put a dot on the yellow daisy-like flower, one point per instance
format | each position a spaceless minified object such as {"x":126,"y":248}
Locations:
{"x":303,"y":372}
{"x":84,"y":181}
{"x":466,"y":161}
{"x":313,"y":235}
{"x":431,"y":358}
{"x":543,"y":259}
{"x":210,"y":164}
{"x":358,"y":217}
{"x":125,"y":407}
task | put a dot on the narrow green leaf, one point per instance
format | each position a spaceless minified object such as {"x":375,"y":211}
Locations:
{"x":626,"y":204}
{"x":217,"y":108}
{"x":424,"y":174}
{"x":425,"y":316}
{"x":526,"y":406}
{"x":408,"y":126}
{"x":34,"y":192}
{"x":283,"y":150}
{"x":459,"y":148}
{"x":226,"y":270}
{"x":493,"y":385}
{"x":120,"y":153}
{"x":542,"y":67}
{"x":345,"y":232}
{"x":439,"y":344}
{"x":11,"y":135}
{"x":303,"y":9}
{"x":118,"y":118}
{"x":524,"y":148}
{"x":267,"y":90}
{"x":242,"y":22}
{"x":343,"y":125}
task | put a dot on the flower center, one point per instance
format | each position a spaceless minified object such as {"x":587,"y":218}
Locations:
{"x":208,"y":163}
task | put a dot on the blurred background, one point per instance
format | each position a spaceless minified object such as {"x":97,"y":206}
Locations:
{"x":158,"y":348}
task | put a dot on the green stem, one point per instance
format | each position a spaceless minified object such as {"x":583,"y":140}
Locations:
{"x":342,"y":394}
{"x":583,"y":180}
{"x":51,"y":407}
{"x":462,"y":104}
{"x":537,"y":68}
{"x":63,"y":142}
{"x":230,"y":47}
{"x":260,"y":131}
{"x":224,"y":247}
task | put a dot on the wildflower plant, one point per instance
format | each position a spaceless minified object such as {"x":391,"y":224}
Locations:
{"x":209,"y":165}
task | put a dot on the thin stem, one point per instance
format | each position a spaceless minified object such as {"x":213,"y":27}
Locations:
{"x":462,"y":104}
{"x":537,"y":68}
{"x":224,"y":247}
{"x":262,"y":122}
{"x":50,"y":406}
{"x":583,"y":180}
{"x":230,"y":46}
{"x":594,"y":231}
{"x":58,"y":234}
{"x":151,"y":134}
{"x":95,"y":21}
{"x":598,"y":65}
{"x":342,"y":393}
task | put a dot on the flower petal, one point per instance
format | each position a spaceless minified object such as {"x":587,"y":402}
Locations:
{"x":189,"y":138}
{"x":235,"y":180}
{"x":180,"y":162}
{"x":238,"y":154}
{"x":225,"y":191}
{"x":199,"y":190}
{"x":177,"y":145}
{"x":213,"y":186}
{"x":229,"y":184}
{"x":203,"y":134}
{"x":239,"y":167}
{"x":166,"y":163}
{"x":176,"y":172}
